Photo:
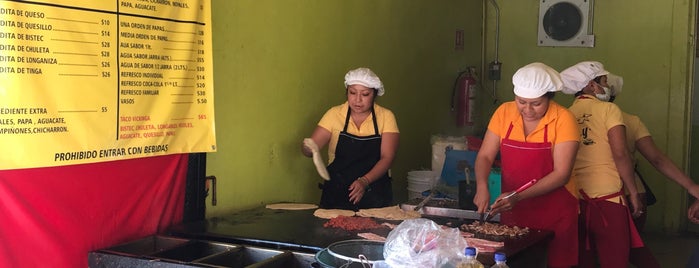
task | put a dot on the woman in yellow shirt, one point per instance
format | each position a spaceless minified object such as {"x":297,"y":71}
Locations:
{"x":602,"y":168}
{"x":363,"y":139}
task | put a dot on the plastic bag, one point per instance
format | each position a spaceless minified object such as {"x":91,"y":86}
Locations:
{"x":423,"y":243}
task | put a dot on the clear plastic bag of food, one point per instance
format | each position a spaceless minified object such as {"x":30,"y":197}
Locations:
{"x":423,"y":243}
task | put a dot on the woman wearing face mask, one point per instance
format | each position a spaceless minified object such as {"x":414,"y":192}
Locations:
{"x":602,"y":169}
{"x":363,"y":139}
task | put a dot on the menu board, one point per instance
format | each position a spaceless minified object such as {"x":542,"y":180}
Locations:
{"x":84,"y":81}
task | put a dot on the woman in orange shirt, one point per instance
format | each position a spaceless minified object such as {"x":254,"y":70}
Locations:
{"x":537,"y":139}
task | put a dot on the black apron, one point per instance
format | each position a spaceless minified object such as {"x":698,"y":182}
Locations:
{"x":354,"y":157}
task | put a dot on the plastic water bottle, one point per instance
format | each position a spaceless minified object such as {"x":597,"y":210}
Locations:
{"x":470,"y":261}
{"x":500,"y":260}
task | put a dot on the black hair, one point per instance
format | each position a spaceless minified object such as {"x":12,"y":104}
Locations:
{"x":550,"y":94}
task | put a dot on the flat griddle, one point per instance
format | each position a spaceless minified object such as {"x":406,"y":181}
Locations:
{"x":299,"y":230}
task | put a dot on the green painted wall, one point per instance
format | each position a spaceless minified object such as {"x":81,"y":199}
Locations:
{"x":647,"y":42}
{"x":279,"y":65}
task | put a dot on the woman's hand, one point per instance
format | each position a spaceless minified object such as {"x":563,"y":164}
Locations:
{"x":693,"y":212}
{"x":484,"y":162}
{"x":357,"y":189}
{"x":636,"y":205}
{"x":481,"y":200}
{"x":318,"y":140}
{"x":504,"y":204}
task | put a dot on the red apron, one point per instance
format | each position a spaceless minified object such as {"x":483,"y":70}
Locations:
{"x":636,"y":241}
{"x":556,"y":211}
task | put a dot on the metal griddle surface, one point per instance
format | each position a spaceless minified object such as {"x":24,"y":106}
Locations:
{"x":294,"y":229}
{"x":301,"y":231}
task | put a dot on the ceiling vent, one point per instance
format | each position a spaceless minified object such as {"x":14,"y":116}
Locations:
{"x":565,"y":23}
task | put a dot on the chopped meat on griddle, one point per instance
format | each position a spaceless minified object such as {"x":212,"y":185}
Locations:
{"x":352,"y":223}
{"x":494,"y":229}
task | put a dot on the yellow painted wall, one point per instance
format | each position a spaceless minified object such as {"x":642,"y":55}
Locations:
{"x":649,"y":43}
{"x":279,"y":65}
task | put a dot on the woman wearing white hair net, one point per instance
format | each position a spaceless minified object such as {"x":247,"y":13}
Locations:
{"x":602,"y":169}
{"x":537,"y":140}
{"x":363,"y":139}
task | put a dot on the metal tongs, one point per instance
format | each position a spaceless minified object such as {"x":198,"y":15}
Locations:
{"x":489,"y":216}
{"x":424,"y":201}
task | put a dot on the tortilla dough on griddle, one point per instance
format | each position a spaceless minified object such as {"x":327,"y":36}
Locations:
{"x":332,"y":213}
{"x":291,"y":206}
{"x":389,"y":213}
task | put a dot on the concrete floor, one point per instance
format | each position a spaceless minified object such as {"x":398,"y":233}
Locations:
{"x":672,"y":251}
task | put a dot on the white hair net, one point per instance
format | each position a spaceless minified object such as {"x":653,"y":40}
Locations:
{"x":615,"y":83}
{"x":535,"y":79}
{"x":364,"y":77}
{"x":576,"y":77}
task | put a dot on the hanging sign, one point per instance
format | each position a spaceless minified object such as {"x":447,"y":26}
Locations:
{"x":84,"y":81}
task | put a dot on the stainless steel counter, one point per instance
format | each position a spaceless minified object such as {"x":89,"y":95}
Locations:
{"x":175,"y":252}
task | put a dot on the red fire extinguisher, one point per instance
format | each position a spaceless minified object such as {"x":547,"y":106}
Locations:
{"x":464,"y":98}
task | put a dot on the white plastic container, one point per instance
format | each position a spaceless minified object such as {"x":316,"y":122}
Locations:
{"x":420,"y":181}
{"x":439,"y":146}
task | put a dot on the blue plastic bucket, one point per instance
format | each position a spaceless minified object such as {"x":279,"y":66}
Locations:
{"x":455,"y":164}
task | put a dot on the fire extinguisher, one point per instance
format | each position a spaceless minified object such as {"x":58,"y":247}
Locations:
{"x":464,"y":98}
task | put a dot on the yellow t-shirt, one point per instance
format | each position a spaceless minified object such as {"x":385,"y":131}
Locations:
{"x":635,"y":130}
{"x":560,"y":121}
{"x":334,"y":121}
{"x":595,"y":171}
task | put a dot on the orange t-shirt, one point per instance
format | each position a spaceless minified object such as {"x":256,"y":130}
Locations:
{"x":560,"y":121}
{"x":562,"y":127}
